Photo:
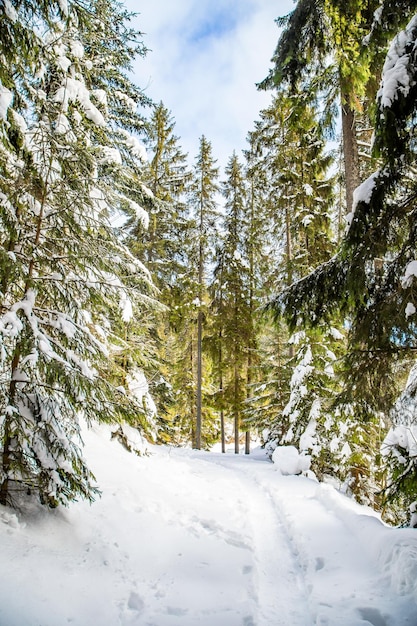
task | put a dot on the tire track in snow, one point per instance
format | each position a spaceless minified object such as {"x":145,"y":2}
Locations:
{"x":339,"y":570}
{"x":274,"y":553}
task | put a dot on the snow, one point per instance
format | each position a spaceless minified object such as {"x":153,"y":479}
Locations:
{"x":135,"y":146}
{"x":396,"y":76}
{"x":126,"y":307}
{"x":75,"y":91}
{"x":409,"y":274}
{"x":63,"y":5}
{"x":111,"y":155}
{"x":77,"y":49}
{"x":6,"y":98}
{"x":141,"y":215}
{"x":181,"y":537}
{"x":129,"y":102}
{"x":410,"y":309}
{"x":10,"y":11}
{"x":403,"y":436}
{"x":63,"y":62}
{"x":363,"y":193}
{"x":288,"y":461}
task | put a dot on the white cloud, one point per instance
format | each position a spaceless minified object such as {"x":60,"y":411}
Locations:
{"x":204,"y":63}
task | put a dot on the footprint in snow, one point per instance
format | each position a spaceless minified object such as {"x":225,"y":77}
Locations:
{"x":135,"y":602}
{"x":373,"y":616}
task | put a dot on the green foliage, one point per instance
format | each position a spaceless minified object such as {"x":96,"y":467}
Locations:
{"x":68,"y":283}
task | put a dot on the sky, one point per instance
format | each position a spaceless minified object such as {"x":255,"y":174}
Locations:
{"x":205,"y":58}
{"x":184,"y":538}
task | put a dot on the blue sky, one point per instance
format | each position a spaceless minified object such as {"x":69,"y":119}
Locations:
{"x":204,"y":61}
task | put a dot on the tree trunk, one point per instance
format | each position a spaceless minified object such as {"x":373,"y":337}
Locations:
{"x":248,"y":388}
{"x":7,"y":441}
{"x":199,"y":379}
{"x":222,"y":431}
{"x":247,"y":442}
{"x":288,"y":246}
{"x":200,"y":330}
{"x":350,"y":151}
{"x":236,"y":408}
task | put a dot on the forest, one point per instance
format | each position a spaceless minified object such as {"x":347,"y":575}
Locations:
{"x":273,"y":301}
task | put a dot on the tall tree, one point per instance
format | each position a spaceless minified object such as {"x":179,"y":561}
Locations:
{"x":232,"y":272}
{"x":291,"y":149}
{"x":203,"y":200}
{"x":320,"y":50}
{"x":67,"y":282}
{"x":371,"y":279}
{"x":161,"y":244}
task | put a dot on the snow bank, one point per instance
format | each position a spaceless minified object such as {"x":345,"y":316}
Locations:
{"x":395,"y":550}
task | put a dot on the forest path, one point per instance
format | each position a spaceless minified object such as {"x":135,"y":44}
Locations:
{"x":190,"y":538}
{"x":313,"y":562}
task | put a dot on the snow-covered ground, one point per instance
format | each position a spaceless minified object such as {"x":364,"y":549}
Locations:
{"x":188,"y":538}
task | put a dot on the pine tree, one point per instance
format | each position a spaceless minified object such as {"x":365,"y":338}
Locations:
{"x":67,"y":282}
{"x":320,"y":51}
{"x":291,"y":150}
{"x":203,"y":200}
{"x":233,"y":278}
{"x":371,"y":279}
{"x":258,"y":251}
{"x":163,"y":244}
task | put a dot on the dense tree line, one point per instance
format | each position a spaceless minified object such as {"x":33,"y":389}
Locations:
{"x":274,"y":299}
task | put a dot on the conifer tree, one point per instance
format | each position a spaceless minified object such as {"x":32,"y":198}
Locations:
{"x":371,"y":279}
{"x":67,"y":282}
{"x":232,"y":273}
{"x":320,"y":51}
{"x":203,"y":201}
{"x":164,"y":245}
{"x":292,"y":148}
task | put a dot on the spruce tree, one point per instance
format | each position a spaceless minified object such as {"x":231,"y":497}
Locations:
{"x":163,"y":243}
{"x":232,"y":274}
{"x":67,"y":281}
{"x":204,"y":204}
{"x":371,"y":279}
{"x":291,"y":151}
{"x":320,"y":51}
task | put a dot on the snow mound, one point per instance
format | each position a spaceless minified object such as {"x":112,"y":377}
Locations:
{"x":289,"y":461}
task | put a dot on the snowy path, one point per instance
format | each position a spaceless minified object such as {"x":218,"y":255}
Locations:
{"x":183,"y":538}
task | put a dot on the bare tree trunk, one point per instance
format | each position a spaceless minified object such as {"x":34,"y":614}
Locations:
{"x":247,"y":442}
{"x":350,"y":151}
{"x":200,"y":333}
{"x":236,"y":408}
{"x":222,"y":431}
{"x":199,"y":379}
{"x":248,"y":392}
